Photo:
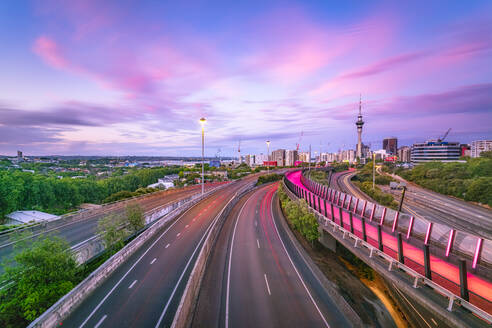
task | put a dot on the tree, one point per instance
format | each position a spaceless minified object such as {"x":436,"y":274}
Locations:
{"x":135,"y":217}
{"x":42,"y":271}
{"x":113,"y":231}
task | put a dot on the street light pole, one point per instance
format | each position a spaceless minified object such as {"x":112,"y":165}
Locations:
{"x":268,"y":156}
{"x":202,"y":122}
{"x":373,"y":169}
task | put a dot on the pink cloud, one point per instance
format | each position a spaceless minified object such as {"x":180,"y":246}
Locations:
{"x":50,"y":52}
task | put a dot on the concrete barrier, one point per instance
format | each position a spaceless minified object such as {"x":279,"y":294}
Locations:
{"x":64,"y":306}
{"x":190,"y":295}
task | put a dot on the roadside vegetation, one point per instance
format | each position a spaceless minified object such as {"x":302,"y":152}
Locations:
{"x":319,"y":176}
{"x":24,"y":190}
{"x":43,"y":270}
{"x":299,"y":216}
{"x":268,"y":178}
{"x":363,"y":181}
{"x":471,"y":181}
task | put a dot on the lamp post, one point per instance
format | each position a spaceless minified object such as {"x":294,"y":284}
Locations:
{"x":373,"y":169}
{"x":268,"y":156}
{"x":202,"y":122}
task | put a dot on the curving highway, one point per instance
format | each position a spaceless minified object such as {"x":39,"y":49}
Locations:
{"x":146,"y":289}
{"x":257,"y":278}
{"x":78,"y":231}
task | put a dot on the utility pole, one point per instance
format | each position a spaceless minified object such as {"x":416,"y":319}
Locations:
{"x":402,"y":196}
{"x":268,"y":156}
{"x":373,"y":169}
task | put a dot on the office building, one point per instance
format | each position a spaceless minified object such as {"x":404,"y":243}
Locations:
{"x":403,"y":154}
{"x":435,"y":151}
{"x":479,"y":146}
{"x":390,"y":145}
{"x":260,"y":158}
{"x":304,"y":157}
{"x":279,"y":157}
{"x":290,"y":157}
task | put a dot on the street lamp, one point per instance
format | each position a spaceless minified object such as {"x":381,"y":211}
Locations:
{"x":202,"y":122}
{"x":268,"y":156}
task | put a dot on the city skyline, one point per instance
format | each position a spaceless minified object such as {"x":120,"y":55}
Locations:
{"x":92,"y":78}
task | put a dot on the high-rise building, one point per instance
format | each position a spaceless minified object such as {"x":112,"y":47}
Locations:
{"x":403,"y":154}
{"x":390,"y":145}
{"x":479,"y":146}
{"x":304,"y":157}
{"x":290,"y":157}
{"x":359,"y":125}
{"x":279,"y":156}
{"x":433,"y":150}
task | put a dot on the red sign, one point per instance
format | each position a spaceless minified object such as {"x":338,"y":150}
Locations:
{"x":391,"y":159}
{"x":270,"y":163}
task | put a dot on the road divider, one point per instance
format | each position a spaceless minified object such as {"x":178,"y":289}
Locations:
{"x":190,"y":295}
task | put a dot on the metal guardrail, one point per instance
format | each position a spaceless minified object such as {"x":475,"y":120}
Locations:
{"x":392,"y":263}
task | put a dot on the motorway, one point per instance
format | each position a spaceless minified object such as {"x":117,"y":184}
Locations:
{"x":146,"y":289}
{"x":444,"y":209}
{"x":77,"y":231}
{"x":256,"y":277}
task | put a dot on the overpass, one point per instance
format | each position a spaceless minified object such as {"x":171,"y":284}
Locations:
{"x":413,"y":252}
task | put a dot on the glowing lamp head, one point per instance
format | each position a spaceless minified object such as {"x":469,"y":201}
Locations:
{"x":268,"y":142}
{"x":202,"y":121}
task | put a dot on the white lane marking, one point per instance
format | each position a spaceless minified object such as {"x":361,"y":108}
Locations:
{"x":295,"y":269}
{"x":133,"y":283}
{"x":186,"y":226}
{"x":100,"y":321}
{"x":194,"y":219}
{"x":258,"y":243}
{"x":256,"y":223}
{"x":434,"y":321}
{"x":268,"y":286}
{"x":179,"y":234}
{"x":152,"y":262}
{"x":229,"y":266}
{"x":131,"y":268}
{"x":189,"y":261}
{"x":167,"y":245}
{"x":413,"y":307}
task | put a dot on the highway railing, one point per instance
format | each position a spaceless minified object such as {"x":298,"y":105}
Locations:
{"x":331,"y":211}
{"x":65,"y":305}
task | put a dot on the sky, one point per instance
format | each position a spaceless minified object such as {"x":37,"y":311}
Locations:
{"x":134,"y":77}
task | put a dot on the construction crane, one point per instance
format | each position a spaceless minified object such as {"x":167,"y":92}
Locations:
{"x":299,"y":142}
{"x":444,"y":136}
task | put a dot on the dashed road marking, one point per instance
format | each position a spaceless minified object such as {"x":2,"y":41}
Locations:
{"x":179,"y":234}
{"x":133,"y":283}
{"x":258,"y":243}
{"x":187,"y":226}
{"x":100,"y":321}
{"x":268,"y":287}
{"x":152,"y":262}
{"x":167,"y":245}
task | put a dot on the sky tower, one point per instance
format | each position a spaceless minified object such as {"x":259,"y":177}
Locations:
{"x":359,"y":125}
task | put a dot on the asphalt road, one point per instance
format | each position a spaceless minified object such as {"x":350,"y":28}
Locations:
{"x":146,"y":289}
{"x":255,"y":277}
{"x":78,"y":231}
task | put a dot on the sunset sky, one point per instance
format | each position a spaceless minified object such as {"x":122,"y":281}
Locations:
{"x":134,"y":77}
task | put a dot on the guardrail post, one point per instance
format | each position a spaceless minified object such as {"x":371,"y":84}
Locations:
{"x":463,"y":281}
{"x":326,"y":210}
{"x":364,"y":234}
{"x":332,"y":212}
{"x":341,"y":217}
{"x":380,"y":238}
{"x":356,"y":204}
{"x":351,"y":222}
{"x":401,"y":258}
{"x":319,"y":204}
{"x":427,"y":264}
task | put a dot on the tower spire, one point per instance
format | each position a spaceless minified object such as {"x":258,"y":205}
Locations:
{"x":360,"y":105}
